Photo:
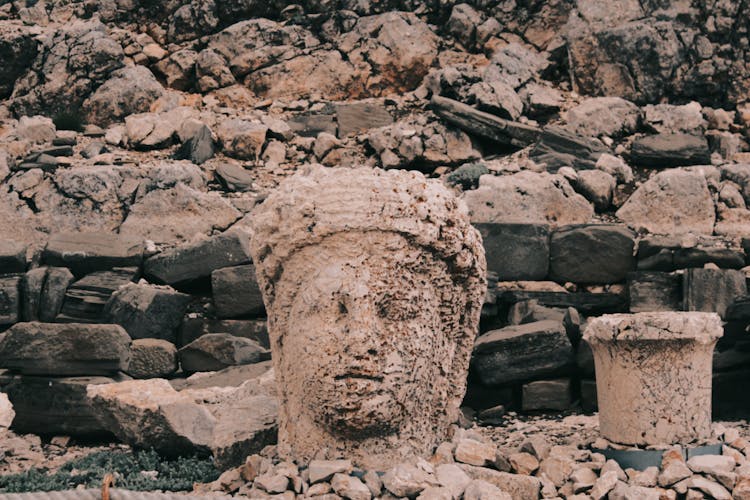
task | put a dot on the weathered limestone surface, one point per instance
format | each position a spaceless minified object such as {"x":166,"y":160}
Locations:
{"x":65,"y":349}
{"x":653,"y":375}
{"x":382,"y":285}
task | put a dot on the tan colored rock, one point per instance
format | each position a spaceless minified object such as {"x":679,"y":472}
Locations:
{"x":527,"y":197}
{"x":654,"y":375}
{"x":350,"y":487}
{"x":674,"y":201}
{"x":604,"y":485}
{"x":473,"y":452}
{"x":517,"y":486}
{"x":382,"y":285}
{"x":6,"y":411}
{"x":482,"y":490}
{"x":523,"y":463}
{"x":323,"y":470}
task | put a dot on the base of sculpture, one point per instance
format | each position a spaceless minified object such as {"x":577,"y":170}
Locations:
{"x":653,"y":375}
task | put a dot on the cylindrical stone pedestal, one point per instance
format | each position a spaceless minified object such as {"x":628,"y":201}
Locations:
{"x":653,"y":375}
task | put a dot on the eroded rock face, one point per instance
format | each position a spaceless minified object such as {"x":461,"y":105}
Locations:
{"x":382,"y":285}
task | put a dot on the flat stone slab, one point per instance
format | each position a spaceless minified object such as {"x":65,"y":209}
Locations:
{"x":216,"y":351}
{"x":654,"y":291}
{"x":516,"y":251}
{"x":670,"y":150}
{"x":65,"y":349}
{"x":12,"y":257}
{"x":194,"y":261}
{"x":592,"y":254}
{"x":55,"y":405}
{"x":84,"y":253}
{"x":193,"y":327}
{"x":697,"y":326}
{"x":354,"y":117}
{"x":147,"y":311}
{"x":712,"y":290}
{"x":86,"y":298}
{"x":523,"y":352}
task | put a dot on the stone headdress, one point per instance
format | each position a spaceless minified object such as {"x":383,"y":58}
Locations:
{"x":319,"y":202}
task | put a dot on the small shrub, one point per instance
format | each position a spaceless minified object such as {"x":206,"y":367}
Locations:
{"x":171,"y":475}
{"x":467,"y":176}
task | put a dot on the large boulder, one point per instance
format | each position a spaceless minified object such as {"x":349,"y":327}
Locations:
{"x":195,"y":261}
{"x":671,"y":202}
{"x":230,"y":422}
{"x":216,"y":351}
{"x":55,"y":405}
{"x":608,"y":116}
{"x":70,"y":65}
{"x":236,"y":292}
{"x":597,"y":253}
{"x":129,"y":90}
{"x":84,"y":253}
{"x":65,"y":349}
{"x":147,"y":311}
{"x":527,"y":197}
{"x":152,"y":358}
{"x":522,"y":352}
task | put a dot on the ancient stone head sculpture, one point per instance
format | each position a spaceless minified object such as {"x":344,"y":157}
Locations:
{"x":373,"y":281}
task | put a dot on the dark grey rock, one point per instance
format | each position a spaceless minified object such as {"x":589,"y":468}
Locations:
{"x":152,"y":358}
{"x":58,"y":151}
{"x":589,"y":402}
{"x":588,"y":303}
{"x":56,"y":285}
{"x":236,"y":292}
{"x":147,"y":311}
{"x":712,"y":290}
{"x":467,"y":176}
{"x":10,"y":299}
{"x":84,"y":253}
{"x":739,"y":310}
{"x":216,"y":351}
{"x":654,"y":291}
{"x":585,"y":360}
{"x":198,"y":148}
{"x":65,"y":349}
{"x":234,"y":177}
{"x":355,"y":117}
{"x":547,"y":395}
{"x":195,"y":327}
{"x":85,"y":299}
{"x":12,"y":257}
{"x":31,"y":292}
{"x":558,"y":147}
{"x":670,"y":150}
{"x":18,"y":48}
{"x":594,"y":254}
{"x":516,"y":251}
{"x":665,"y":253}
{"x":524,"y":352}
{"x":729,"y":394}
{"x":194,"y":261}
{"x":55,"y":405}
{"x":312,"y":125}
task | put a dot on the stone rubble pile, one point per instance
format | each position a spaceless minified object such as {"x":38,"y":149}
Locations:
{"x":471,"y":466}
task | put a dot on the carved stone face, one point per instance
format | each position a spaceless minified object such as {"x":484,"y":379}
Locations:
{"x":364,"y":338}
{"x":373,"y":281}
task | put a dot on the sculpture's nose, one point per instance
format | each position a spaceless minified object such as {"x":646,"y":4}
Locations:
{"x":360,"y":331}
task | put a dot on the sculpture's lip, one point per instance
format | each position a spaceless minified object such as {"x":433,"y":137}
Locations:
{"x":359,"y":375}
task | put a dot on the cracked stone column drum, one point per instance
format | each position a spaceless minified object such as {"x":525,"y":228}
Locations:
{"x":653,"y":375}
{"x":373,"y":281}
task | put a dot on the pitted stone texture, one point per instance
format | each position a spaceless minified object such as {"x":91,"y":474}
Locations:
{"x":527,"y":197}
{"x":375,"y":279}
{"x":653,"y":374}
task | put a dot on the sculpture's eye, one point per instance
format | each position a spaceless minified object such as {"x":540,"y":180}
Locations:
{"x":342,"y":307}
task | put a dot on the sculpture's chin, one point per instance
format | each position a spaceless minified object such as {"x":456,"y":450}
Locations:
{"x":354,"y":413}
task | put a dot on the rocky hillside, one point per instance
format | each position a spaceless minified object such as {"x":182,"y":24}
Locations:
{"x":602,"y":149}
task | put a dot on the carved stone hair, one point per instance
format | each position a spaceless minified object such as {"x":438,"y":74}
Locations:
{"x":319,"y":202}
